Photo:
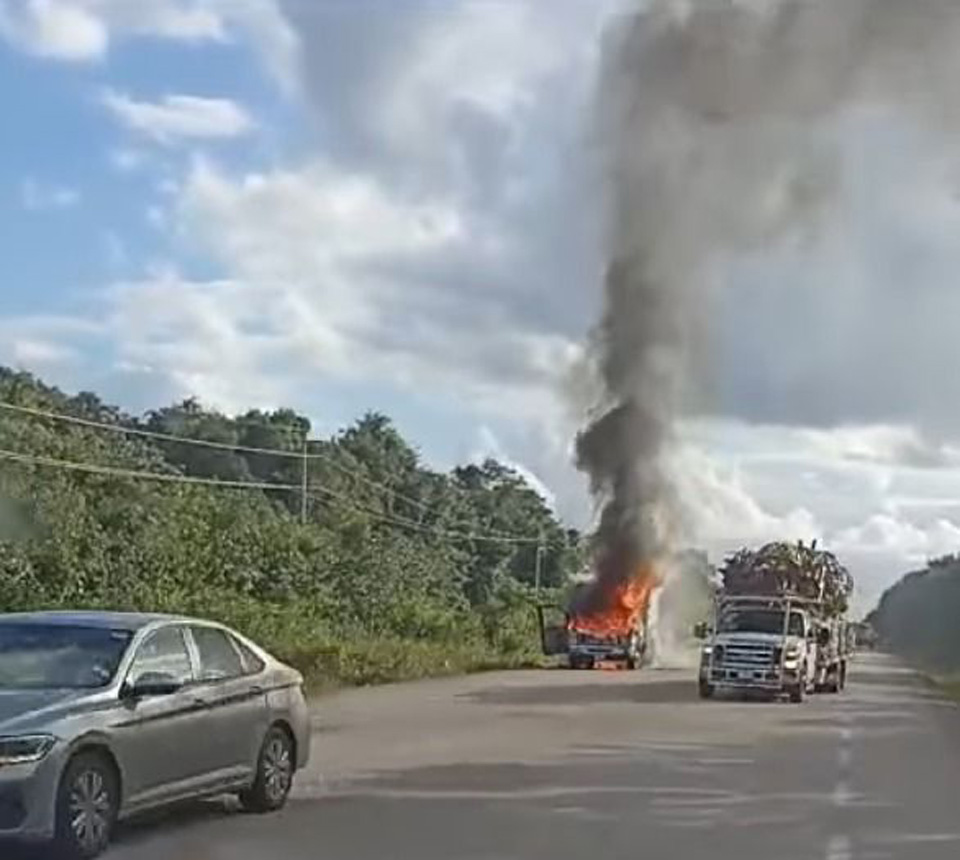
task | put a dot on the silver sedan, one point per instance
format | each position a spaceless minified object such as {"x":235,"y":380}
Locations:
{"x":103,"y":715}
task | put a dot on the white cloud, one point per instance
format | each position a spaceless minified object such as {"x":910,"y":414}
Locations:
{"x":201,"y":338}
{"x":273,"y":37}
{"x":50,"y":28}
{"x":881,"y":513}
{"x":720,"y":512}
{"x":179,"y":117}
{"x":35,"y":354}
{"x":38,"y":196}
{"x":45,"y":344}
{"x":181,"y":20}
{"x":339,"y":257}
{"x":83,"y":30}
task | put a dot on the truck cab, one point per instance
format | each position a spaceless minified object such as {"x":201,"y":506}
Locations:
{"x":759,"y":644}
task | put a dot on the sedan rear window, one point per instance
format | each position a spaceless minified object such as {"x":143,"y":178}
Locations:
{"x":58,"y":656}
{"x":218,"y":658}
{"x":252,"y":664}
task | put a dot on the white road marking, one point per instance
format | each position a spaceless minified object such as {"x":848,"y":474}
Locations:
{"x":842,"y":794}
{"x":839,"y":848}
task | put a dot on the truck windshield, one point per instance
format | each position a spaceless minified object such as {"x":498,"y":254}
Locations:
{"x":760,"y":621}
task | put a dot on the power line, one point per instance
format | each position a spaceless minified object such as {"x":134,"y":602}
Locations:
{"x":149,"y":434}
{"x":226,"y":446}
{"x":114,"y":471}
{"x":487,"y":537}
{"x":118,"y":472}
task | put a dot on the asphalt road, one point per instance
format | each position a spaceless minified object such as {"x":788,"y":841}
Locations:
{"x":559,"y":764}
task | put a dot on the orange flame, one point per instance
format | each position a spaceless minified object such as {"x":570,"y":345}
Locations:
{"x":621,"y":607}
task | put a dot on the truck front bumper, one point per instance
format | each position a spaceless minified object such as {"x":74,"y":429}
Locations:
{"x":750,"y":678}
{"x":599,"y":653}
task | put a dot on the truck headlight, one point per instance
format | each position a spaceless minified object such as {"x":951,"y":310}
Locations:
{"x":718,"y":654}
{"x":24,"y":749}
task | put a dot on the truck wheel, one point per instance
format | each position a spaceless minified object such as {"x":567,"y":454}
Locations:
{"x":706,"y":689}
{"x":833,"y":684}
{"x":796,"y":693}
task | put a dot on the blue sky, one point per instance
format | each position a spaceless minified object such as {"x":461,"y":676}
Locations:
{"x":341,"y":206}
{"x":65,"y":140}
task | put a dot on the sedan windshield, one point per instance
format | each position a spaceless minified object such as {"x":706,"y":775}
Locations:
{"x":760,"y":621}
{"x":46,"y":656}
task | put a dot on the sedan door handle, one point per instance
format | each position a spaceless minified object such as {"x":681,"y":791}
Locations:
{"x":256,"y":690}
{"x":201,"y":702}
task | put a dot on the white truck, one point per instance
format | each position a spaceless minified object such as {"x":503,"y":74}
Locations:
{"x":778,"y":625}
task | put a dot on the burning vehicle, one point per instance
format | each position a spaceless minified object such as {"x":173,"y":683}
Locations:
{"x":617,"y":634}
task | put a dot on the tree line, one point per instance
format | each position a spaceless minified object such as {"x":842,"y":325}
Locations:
{"x":383,"y":568}
{"x":917,"y":617}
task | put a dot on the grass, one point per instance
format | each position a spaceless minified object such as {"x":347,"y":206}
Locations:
{"x":361,"y":662}
{"x":948,"y":684}
{"x":330,"y":657}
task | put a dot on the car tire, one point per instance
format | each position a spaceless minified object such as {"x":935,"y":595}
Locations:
{"x":88,"y":799}
{"x":274,"y":779}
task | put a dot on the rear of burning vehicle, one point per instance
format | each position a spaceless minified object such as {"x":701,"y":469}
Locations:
{"x":562,"y":633}
{"x":587,"y":649}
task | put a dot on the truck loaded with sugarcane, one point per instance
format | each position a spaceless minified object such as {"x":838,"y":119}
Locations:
{"x":779,"y":624}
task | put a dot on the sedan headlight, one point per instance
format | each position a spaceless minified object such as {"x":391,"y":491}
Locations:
{"x":24,"y":749}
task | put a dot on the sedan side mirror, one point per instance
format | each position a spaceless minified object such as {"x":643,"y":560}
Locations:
{"x":151,"y":684}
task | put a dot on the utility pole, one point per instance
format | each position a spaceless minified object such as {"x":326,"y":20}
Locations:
{"x":305,"y":460}
{"x":538,"y":566}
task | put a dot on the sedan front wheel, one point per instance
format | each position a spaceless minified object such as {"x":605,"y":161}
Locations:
{"x":274,"y":778}
{"x":87,"y":804}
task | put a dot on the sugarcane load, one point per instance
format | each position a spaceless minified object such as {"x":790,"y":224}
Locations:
{"x":786,"y":568}
{"x":778,"y":624}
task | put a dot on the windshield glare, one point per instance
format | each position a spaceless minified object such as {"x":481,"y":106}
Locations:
{"x":760,"y":621}
{"x":48,"y":656}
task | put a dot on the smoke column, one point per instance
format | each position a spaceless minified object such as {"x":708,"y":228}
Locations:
{"x":721,"y":134}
